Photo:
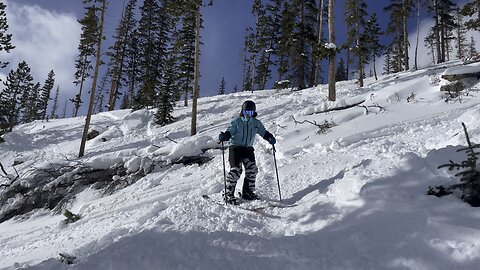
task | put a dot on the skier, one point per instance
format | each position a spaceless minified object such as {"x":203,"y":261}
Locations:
{"x":241,"y":134}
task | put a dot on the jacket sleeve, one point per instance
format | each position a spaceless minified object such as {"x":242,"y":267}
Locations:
{"x":232,"y":129}
{"x":262,"y":131}
{"x":260,"y":128}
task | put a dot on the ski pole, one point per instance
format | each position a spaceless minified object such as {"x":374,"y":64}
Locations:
{"x":276,"y":171}
{"x":224,"y":175}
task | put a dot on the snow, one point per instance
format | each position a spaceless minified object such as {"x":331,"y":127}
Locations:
{"x":331,"y":46}
{"x":356,"y":195}
{"x":470,"y":68}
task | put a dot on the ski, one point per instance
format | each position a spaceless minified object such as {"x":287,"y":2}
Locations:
{"x":258,"y":210}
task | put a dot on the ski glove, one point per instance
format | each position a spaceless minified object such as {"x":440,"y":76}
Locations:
{"x":224,"y":136}
{"x":269,"y":138}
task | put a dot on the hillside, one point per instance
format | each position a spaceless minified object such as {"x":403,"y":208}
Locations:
{"x":355,"y":195}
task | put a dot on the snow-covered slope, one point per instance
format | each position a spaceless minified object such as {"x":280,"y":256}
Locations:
{"x":355,"y":195}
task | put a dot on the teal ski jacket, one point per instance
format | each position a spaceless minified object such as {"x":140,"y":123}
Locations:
{"x":242,"y":131}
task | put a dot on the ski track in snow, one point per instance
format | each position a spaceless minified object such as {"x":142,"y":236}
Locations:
{"x":356,"y":194}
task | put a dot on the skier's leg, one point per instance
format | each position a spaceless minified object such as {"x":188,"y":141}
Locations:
{"x":251,"y":170}
{"x":234,"y":174}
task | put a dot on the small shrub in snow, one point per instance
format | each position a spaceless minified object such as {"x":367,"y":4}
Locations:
{"x":283,"y":84}
{"x":67,"y":259}
{"x":2,"y":140}
{"x":70,"y":217}
{"x":470,"y":175}
{"x":438,"y":191}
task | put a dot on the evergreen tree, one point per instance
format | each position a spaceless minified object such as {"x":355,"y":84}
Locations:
{"x":30,"y":105}
{"x":447,"y":26}
{"x":13,"y":98}
{"x":431,"y":44}
{"x":53,"y":112}
{"x":389,"y":60}
{"x":5,"y":39}
{"x":83,"y":63}
{"x":154,"y":26}
{"x":371,"y":38}
{"x":221,"y":91}
{"x":304,"y":39}
{"x":118,"y":51}
{"x":399,"y":10}
{"x":341,"y":73}
{"x":132,"y":72}
{"x":185,"y":44}
{"x":461,"y":35}
{"x":355,"y":11}
{"x":286,"y":41}
{"x":472,"y":9}
{"x":165,"y":100}
{"x":472,"y":49}
{"x":99,"y":38}
{"x":44,"y":97}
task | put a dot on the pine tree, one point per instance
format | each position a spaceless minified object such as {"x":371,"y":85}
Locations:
{"x":304,"y":39}
{"x":44,"y":96}
{"x":472,"y":9}
{"x":186,"y":49}
{"x":341,"y":73}
{"x":132,"y":69}
{"x":100,"y":37}
{"x":221,"y":91}
{"x":165,"y":100}
{"x":13,"y":98}
{"x":461,"y":35}
{"x":431,"y":44}
{"x":355,"y":13}
{"x":118,"y":51}
{"x":399,"y":10}
{"x":472,"y":49}
{"x":5,"y":39}
{"x":53,"y":112}
{"x":30,"y":104}
{"x":83,"y":63}
{"x":372,"y":36}
{"x":154,"y":26}
{"x":286,"y":41}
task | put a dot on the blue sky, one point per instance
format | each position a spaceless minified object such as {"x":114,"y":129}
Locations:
{"x":46,"y":34}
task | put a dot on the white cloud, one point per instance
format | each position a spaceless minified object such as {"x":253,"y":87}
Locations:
{"x":46,"y":40}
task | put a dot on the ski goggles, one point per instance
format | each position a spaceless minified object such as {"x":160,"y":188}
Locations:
{"x":248,"y":113}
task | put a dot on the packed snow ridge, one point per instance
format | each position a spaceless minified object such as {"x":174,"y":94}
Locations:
{"x":354,"y":195}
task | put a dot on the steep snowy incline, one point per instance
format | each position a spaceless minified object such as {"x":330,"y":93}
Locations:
{"x":355,"y":195}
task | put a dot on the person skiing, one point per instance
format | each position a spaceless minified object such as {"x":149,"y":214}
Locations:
{"x":241,"y":135}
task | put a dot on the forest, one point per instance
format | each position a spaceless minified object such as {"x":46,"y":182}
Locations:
{"x":153,"y":61}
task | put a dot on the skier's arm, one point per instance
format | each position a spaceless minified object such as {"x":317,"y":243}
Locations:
{"x":264,"y":133}
{"x":232,"y":129}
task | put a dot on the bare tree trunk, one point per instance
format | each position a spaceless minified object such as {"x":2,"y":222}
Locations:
{"x":360,"y":60}
{"x":437,"y":34}
{"x":405,"y":37}
{"x":94,"y":82}
{"x":319,"y":42}
{"x":331,"y":65}
{"x":375,"y":68}
{"x":193,"y":130}
{"x":418,"y":35}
